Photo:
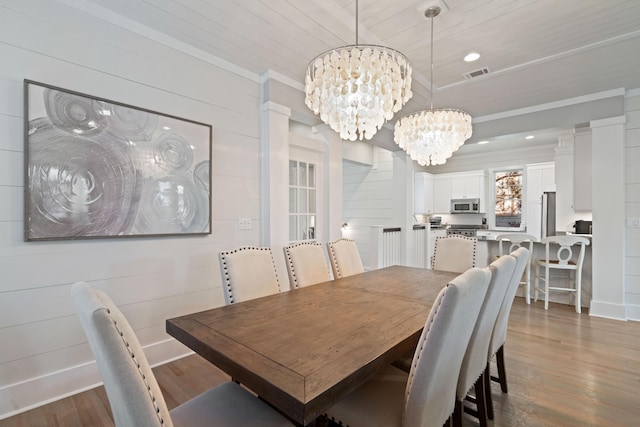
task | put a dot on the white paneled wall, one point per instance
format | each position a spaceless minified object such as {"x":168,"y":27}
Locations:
{"x":632,"y":155}
{"x":44,"y":354}
{"x":368,"y":199}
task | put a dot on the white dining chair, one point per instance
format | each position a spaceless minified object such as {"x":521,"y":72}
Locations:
{"x":247,"y":273}
{"x":306,"y":264}
{"x":499,"y":334}
{"x":561,"y":259}
{"x":476,"y":356}
{"x":425,"y":396}
{"x":344,"y":258}
{"x":133,"y":391}
{"x":508,"y":243}
{"x":455,"y":253}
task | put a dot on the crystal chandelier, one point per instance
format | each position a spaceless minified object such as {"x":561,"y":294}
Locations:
{"x":356,"y":88}
{"x":431,"y":136}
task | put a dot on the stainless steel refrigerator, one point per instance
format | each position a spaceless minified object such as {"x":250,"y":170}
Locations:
{"x":548,"y":213}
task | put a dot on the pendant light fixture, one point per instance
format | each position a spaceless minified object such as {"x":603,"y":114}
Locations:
{"x":356,"y":88}
{"x":431,"y":136}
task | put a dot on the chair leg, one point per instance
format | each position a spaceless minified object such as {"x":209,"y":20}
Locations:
{"x":487,"y":391}
{"x":502,"y":372}
{"x":481,"y":401}
{"x":536,"y":282}
{"x":528,"y":284}
{"x":546,"y":288}
{"x":457,"y":414}
{"x":578,"y":285}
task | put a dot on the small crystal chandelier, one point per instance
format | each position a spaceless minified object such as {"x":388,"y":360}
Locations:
{"x":431,"y":136}
{"x":356,"y":88}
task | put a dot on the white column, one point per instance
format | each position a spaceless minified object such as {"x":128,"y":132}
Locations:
{"x":608,"y":218}
{"x":403,"y":203}
{"x":332,"y":215}
{"x":274,"y":152}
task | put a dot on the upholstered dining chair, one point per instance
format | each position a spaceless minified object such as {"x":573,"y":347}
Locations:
{"x":247,"y":273}
{"x":499,"y":334}
{"x":475,"y":359}
{"x":133,"y":391}
{"x":306,"y":264}
{"x":425,"y":396}
{"x":345,"y":258}
{"x":454,"y":253}
{"x":508,"y":243}
{"x":561,"y":260}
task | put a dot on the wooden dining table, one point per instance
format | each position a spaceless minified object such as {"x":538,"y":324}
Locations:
{"x":302,"y":350}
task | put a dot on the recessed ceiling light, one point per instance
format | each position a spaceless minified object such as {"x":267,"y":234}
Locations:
{"x":483,"y":142}
{"x":529,"y":137}
{"x":473,"y":56}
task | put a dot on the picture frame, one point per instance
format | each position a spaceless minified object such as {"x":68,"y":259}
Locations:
{"x":98,"y":168}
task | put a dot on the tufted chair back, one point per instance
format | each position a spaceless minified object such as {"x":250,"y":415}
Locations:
{"x":454,"y":253}
{"x":248,"y":273}
{"x":306,"y":264}
{"x":134,"y":394}
{"x":345,"y":258}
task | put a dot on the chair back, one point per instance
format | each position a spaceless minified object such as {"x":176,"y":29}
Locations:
{"x":306,"y":264}
{"x":475,"y":358}
{"x":431,"y":387}
{"x":499,"y":335}
{"x":345,"y":258}
{"x":513,"y":241}
{"x":248,"y":273}
{"x":132,"y":389}
{"x":562,"y":256}
{"x":454,"y":253}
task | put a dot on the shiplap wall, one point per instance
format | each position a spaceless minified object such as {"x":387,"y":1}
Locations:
{"x":43,"y":351}
{"x":632,"y":154}
{"x":367,"y":199}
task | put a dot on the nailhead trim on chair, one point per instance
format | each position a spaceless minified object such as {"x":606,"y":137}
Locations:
{"x":333,"y":254}
{"x":295,"y":245}
{"x":226,"y":271}
{"x":456,"y":236}
{"x":142,"y":375}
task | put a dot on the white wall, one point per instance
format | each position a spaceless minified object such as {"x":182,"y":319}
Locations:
{"x":44,"y":353}
{"x":632,"y":155}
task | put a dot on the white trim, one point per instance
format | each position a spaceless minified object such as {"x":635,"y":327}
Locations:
{"x":159,"y":37}
{"x":275,"y":107}
{"x":633,"y":312}
{"x":550,"y":105}
{"x":274,"y":75}
{"x":632,"y":92}
{"x":607,"y":122}
{"x":607,"y":310}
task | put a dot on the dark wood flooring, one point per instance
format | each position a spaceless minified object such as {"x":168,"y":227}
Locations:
{"x":563,"y":368}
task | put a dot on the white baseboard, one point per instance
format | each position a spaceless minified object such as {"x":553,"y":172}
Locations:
{"x":633,"y":312}
{"x":608,"y":310}
{"x":34,"y":392}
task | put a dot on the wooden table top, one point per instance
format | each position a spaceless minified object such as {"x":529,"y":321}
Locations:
{"x":303,"y":350}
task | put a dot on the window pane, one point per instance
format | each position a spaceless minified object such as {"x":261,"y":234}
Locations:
{"x":292,"y":172}
{"x":293,"y":228}
{"x":302,"y":228}
{"x":312,"y":201}
{"x":508,"y":209}
{"x":312,"y":175}
{"x":292,"y":200}
{"x":303,"y":174}
{"x":302,"y":201}
{"x":312,"y":226}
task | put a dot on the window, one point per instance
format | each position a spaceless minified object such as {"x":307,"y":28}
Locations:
{"x":302,"y":200}
{"x":508,"y":198}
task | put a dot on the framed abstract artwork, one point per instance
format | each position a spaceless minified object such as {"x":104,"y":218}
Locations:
{"x":96,"y":168}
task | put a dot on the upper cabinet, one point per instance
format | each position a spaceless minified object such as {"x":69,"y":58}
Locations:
{"x":423,"y":193}
{"x":441,"y":194}
{"x":463,"y":185}
{"x":541,"y":177}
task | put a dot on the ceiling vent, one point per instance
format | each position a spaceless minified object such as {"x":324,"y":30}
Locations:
{"x":476,"y":73}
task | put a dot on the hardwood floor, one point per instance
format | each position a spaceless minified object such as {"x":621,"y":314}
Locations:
{"x":563,"y":369}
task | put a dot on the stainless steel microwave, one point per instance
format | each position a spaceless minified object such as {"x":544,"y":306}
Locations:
{"x":460,"y":206}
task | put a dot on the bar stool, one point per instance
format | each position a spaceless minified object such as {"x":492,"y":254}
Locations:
{"x":562,"y":261}
{"x":518,"y":240}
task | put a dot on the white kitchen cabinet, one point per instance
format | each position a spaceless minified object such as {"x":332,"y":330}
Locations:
{"x":540,"y":177}
{"x":423,"y":193}
{"x":441,"y":194}
{"x":467,"y":186}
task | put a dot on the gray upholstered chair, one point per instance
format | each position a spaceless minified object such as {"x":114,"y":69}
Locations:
{"x":561,"y":260}
{"x":454,"y":253}
{"x":134,"y":394}
{"x":306,"y":264}
{"x":499,"y":334}
{"x":345,"y":258}
{"x":508,"y":243}
{"x":425,"y":396}
{"x":248,"y":273}
{"x":475,"y":359}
